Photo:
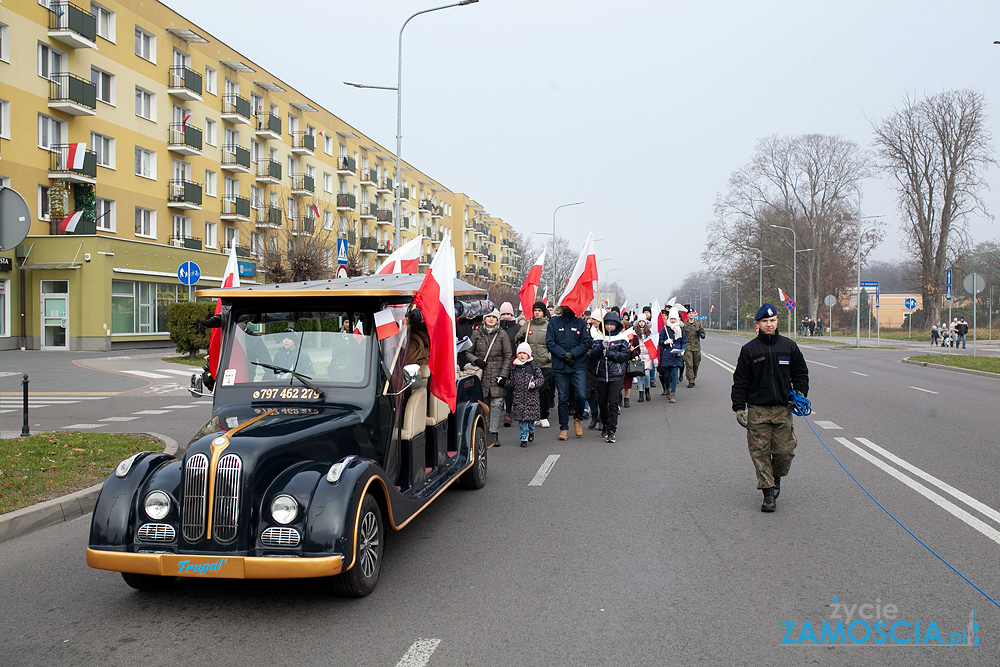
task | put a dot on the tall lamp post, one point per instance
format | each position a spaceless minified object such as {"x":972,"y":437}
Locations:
{"x":398,"y":182}
{"x":699,"y":298}
{"x":555,"y":261}
{"x":795,"y":273}
{"x":760,"y":275}
{"x":606,"y":274}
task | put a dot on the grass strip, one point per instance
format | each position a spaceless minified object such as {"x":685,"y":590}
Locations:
{"x":48,"y":465}
{"x":199,"y":360}
{"x":987,"y":364}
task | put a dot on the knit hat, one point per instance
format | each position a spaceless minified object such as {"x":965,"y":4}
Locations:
{"x":506,"y":309}
{"x":493,"y":313}
{"x":540,"y":305}
{"x":766,"y":310}
{"x":524,"y":347}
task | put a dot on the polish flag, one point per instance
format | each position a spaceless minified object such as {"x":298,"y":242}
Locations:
{"x":782,"y":295}
{"x":69,"y":223}
{"x":580,"y":286}
{"x":184,"y":121}
{"x":545,"y":297}
{"x":652,"y":348}
{"x":359,"y":333}
{"x":624,"y":304}
{"x":404,"y":260}
{"x":315,"y":210}
{"x":75,"y":155}
{"x":436,"y":300}
{"x":385,"y":324}
{"x":231,"y":278}
{"x":712,"y":310}
{"x":529,"y":289}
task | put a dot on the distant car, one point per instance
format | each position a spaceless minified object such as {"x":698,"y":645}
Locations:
{"x":298,"y":473}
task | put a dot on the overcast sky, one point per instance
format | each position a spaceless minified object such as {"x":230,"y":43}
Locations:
{"x":640,"y":108}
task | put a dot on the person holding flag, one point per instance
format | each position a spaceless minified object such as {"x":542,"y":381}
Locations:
{"x":671,"y":353}
{"x":533,"y":333}
{"x":491,"y":352}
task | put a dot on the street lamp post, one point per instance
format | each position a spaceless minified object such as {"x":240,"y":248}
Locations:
{"x":699,"y":297}
{"x":606,"y":274}
{"x":760,"y":276}
{"x":555,"y":261}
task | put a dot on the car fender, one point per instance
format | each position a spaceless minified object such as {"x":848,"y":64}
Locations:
{"x":114,"y":516}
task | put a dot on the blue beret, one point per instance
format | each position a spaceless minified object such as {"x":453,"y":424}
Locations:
{"x":766,"y":310}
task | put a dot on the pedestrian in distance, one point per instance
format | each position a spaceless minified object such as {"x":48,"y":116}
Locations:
{"x":770,"y":367}
{"x":596,"y":333}
{"x":532,"y":332}
{"x":962,"y":329}
{"x":611,"y":354}
{"x":934,"y":334}
{"x":510,"y":326}
{"x":672,"y":346}
{"x":525,"y":382}
{"x":568,"y":341}
{"x":694,"y":333}
{"x":492,"y":354}
{"x":628,"y":380}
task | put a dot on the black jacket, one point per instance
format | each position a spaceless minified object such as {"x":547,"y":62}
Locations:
{"x":768,"y":369}
{"x":567,"y":333}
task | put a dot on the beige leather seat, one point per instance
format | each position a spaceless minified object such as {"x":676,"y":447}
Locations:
{"x":414,"y":415}
{"x":437,"y":410}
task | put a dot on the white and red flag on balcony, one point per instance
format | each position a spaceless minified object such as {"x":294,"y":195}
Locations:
{"x":70,"y":222}
{"x":580,"y":286}
{"x":529,"y":289}
{"x":385,"y":324}
{"x":184,"y":122}
{"x":404,"y":260}
{"x":75,"y":155}
{"x":436,"y":300}
{"x":782,"y":295}
{"x":231,"y":278}
{"x":315,"y":210}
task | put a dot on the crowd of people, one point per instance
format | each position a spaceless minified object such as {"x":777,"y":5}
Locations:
{"x":810,"y":327}
{"x":950,"y":335}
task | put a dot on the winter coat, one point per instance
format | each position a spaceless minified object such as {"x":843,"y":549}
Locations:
{"x":611,"y":355}
{"x":526,"y":405}
{"x":498,"y":362}
{"x":669,"y":347}
{"x":287,"y":359}
{"x":767,"y":370}
{"x":533,"y":332}
{"x":567,"y":333}
{"x":647,"y":361}
{"x":510,"y":327}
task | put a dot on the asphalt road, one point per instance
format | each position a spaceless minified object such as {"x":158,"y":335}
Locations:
{"x":651,"y":551}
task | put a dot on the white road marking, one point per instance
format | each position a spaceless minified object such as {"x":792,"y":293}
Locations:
{"x":81,"y":426}
{"x":151,"y":412}
{"x":926,"y":390}
{"x":203,"y":402}
{"x":819,"y":363}
{"x":419,"y":653}
{"x":935,"y":498}
{"x":864,"y":375}
{"x":147,"y":374}
{"x":181,"y":407}
{"x":829,"y":426}
{"x":720,"y":362}
{"x":118,"y":419}
{"x":177,"y":371}
{"x":544,"y":471}
{"x":947,"y":488}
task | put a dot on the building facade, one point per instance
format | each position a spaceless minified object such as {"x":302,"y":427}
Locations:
{"x":175,"y":148}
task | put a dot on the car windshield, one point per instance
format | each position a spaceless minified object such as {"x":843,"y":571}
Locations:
{"x":326,"y":347}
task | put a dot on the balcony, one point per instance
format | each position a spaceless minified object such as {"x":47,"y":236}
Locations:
{"x":302,"y":184}
{"x":303,"y":144}
{"x":268,"y":172}
{"x":66,"y":164}
{"x":268,"y":126}
{"x":184,"y":139}
{"x":383,"y":216}
{"x":72,"y":94}
{"x":71,"y":25}
{"x":189,"y":242}
{"x":425,"y":260}
{"x":368,"y":244}
{"x":236,"y":159}
{"x":405,"y":194}
{"x":346,"y":166}
{"x":184,"y":195}
{"x":368,"y":211}
{"x":235,"y":209}
{"x":385,"y":187}
{"x":236,"y":110}
{"x":269,"y":216}
{"x":184,"y":83}
{"x":351,"y":237}
{"x":404,"y":222}
{"x":306,"y":226}
{"x":369,"y":177}
{"x":383,"y":248}
{"x":426,"y":205}
{"x":346,"y":202}
{"x":437,"y":212}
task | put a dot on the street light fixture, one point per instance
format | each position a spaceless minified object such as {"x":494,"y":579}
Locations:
{"x":760,"y":275}
{"x":398,"y":182}
{"x":554,"y":260}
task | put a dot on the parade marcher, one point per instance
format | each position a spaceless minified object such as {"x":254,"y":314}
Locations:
{"x":568,"y":341}
{"x":533,"y":333}
{"x":596,"y":334}
{"x":672,"y":346}
{"x":627,"y":380}
{"x":644,"y":382}
{"x":510,"y":326}
{"x":525,"y":381}
{"x":611,"y":353}
{"x":491,"y":353}
{"x":769,"y":368}
{"x":694,"y":332}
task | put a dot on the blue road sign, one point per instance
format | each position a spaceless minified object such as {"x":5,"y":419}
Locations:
{"x":342,"y":251}
{"x":189,"y":273}
{"x":910,"y":303}
{"x":790,"y":305}
{"x":947,"y":285}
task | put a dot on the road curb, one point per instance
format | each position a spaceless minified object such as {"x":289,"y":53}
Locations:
{"x":954,"y":369}
{"x":62,"y":509}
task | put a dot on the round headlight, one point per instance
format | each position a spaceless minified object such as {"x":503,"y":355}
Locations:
{"x":157,"y":505}
{"x":284,"y":509}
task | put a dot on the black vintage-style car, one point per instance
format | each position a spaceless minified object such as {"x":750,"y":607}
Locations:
{"x":322,"y":435}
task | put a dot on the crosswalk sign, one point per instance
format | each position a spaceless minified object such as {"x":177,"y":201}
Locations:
{"x":342,"y":251}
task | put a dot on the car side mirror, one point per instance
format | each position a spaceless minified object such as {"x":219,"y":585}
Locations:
{"x":197,"y":388}
{"x":411,"y":373}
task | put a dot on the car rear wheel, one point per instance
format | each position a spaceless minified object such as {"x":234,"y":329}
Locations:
{"x":475,"y":477}
{"x":369,"y":543}
{"x":147,"y":582}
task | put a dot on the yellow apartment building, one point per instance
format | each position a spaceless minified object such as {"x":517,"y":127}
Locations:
{"x":202,"y":150}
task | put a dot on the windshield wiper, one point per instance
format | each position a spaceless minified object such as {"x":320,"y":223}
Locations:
{"x":304,"y":379}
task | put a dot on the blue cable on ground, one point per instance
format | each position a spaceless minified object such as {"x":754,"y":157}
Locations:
{"x":801,"y":406}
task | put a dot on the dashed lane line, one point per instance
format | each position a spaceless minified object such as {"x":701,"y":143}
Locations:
{"x":925,"y":390}
{"x":829,"y":426}
{"x":818,"y":363}
{"x":83,"y":426}
{"x":181,"y":407}
{"x":118,"y":419}
{"x":864,"y":375}
{"x":419,"y":653}
{"x":544,"y":471}
{"x":147,"y":374}
{"x":151,"y":412}
{"x":177,"y":371}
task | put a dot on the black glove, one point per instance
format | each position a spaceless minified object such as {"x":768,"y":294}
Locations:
{"x":569,"y":358}
{"x":502,"y":381}
{"x":479,"y":363}
{"x":207,"y":380}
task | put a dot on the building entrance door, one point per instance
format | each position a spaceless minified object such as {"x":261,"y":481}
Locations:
{"x":55,"y":314}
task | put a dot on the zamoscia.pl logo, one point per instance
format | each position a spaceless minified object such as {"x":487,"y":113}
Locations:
{"x":199,"y":568}
{"x":875,"y":624}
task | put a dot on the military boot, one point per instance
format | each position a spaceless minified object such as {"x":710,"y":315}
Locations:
{"x":641,"y":396}
{"x":777,"y":487}
{"x":647,"y":392}
{"x":768,"y":505}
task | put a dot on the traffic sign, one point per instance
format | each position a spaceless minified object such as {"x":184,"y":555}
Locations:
{"x":974,"y":283}
{"x":830,"y":300}
{"x":14,"y":218}
{"x":910,"y":303}
{"x":342,"y":251}
{"x":341,"y":271}
{"x":790,"y":305}
{"x":189,"y":273}
{"x":947,"y":285}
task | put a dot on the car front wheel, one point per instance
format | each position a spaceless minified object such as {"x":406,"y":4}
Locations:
{"x":369,"y":543}
{"x":475,"y":477}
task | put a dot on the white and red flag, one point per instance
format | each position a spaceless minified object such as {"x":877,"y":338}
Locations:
{"x":70,"y":222}
{"x":231,"y":278}
{"x":580,"y":286}
{"x":359,"y":333}
{"x":404,"y":260}
{"x":712,"y":310}
{"x":436,"y":300}
{"x":315,"y":210}
{"x":782,"y":295}
{"x":545,"y":297}
{"x":75,"y":155}
{"x":184,"y":121}
{"x":385,"y":324}
{"x":653,"y":348}
{"x":529,"y":289}
{"x":658,"y":322}
{"x":624,"y":305}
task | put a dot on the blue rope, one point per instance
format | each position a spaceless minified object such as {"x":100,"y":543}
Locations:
{"x":802,"y":407}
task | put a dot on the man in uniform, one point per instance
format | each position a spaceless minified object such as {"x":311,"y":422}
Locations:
{"x":769,"y":368}
{"x":693,"y":332}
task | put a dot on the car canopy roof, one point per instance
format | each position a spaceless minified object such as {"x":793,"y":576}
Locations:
{"x":386,"y":285}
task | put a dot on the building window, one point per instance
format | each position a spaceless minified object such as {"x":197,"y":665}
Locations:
{"x":211,"y":78}
{"x":256,"y":197}
{"x":50,"y":61}
{"x":210,"y":183}
{"x":105,"y":21}
{"x":141,"y":307}
{"x":145,"y":222}
{"x":145,"y":163}
{"x":327,"y":182}
{"x":145,"y":104}
{"x":327,"y":219}
{"x":50,"y":131}
{"x":328,"y":145}
{"x":210,"y":234}
{"x":211,"y":132}
{"x":182,"y":229}
{"x":43,"y":202}
{"x":328,"y":257}
{"x":104,"y":147}
{"x":105,"y":84}
{"x":256,"y":243}
{"x":4,"y":308}
{"x":4,"y":43}
{"x":145,"y":45}
{"x":106,"y":214}
{"x":232,"y":238}
{"x":5,"y":119}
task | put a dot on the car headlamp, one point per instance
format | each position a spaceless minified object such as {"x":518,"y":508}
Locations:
{"x":125,"y":466}
{"x":284,"y":509}
{"x":157,"y":505}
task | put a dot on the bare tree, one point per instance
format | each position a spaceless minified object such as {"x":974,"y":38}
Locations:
{"x":938,"y":150}
{"x":293,"y":244}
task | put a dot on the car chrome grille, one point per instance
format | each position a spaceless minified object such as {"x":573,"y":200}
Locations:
{"x":280,"y":537}
{"x":157,"y":532}
{"x":226,"y":514}
{"x":195,"y":495}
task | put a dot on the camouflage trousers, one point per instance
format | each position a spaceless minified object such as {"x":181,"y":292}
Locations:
{"x":692,"y":359}
{"x":771,"y":441}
